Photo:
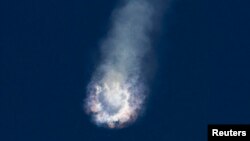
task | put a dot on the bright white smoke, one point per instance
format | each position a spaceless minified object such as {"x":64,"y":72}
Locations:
{"x":117,"y":90}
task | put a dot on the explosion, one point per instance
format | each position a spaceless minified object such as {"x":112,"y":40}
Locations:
{"x":117,"y":89}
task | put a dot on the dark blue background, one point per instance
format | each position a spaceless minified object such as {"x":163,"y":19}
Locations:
{"x":49,"y":49}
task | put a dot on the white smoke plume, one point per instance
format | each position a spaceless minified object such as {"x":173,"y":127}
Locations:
{"x":117,"y":90}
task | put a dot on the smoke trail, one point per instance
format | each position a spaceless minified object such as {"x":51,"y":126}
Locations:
{"x":117,"y":90}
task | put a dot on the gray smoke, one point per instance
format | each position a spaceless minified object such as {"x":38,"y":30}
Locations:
{"x":128,"y":40}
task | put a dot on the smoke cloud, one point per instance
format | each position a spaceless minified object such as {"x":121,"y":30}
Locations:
{"x":117,"y":90}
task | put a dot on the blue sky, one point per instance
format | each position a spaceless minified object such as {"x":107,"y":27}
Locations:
{"x":49,"y":49}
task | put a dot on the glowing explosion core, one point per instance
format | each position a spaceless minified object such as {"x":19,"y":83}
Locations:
{"x":113,"y":101}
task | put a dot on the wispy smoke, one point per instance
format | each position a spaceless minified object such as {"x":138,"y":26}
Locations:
{"x":117,"y":90}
